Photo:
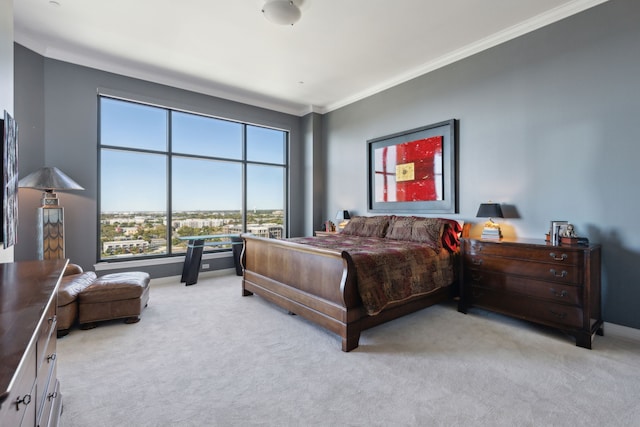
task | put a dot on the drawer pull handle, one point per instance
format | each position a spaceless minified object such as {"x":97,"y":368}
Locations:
{"x":52,"y":396}
{"x":51,"y":357}
{"x":559,"y":294}
{"x":476,"y":277}
{"x":560,"y":316}
{"x":558,"y":258}
{"x":477,"y":261}
{"x":25,"y":401}
{"x":562,"y":274}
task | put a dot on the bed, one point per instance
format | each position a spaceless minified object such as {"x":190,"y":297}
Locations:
{"x":378,"y":269}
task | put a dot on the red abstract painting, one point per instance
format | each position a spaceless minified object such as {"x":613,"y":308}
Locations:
{"x":409,"y":172}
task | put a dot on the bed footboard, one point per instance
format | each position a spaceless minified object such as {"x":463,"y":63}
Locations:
{"x":317,"y":284}
{"x":314,"y":283}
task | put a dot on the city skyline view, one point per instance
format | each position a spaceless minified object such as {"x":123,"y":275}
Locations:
{"x":130,"y":234}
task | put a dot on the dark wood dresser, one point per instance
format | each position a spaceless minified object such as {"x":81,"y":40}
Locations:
{"x":558,"y":286}
{"x":29,"y":388}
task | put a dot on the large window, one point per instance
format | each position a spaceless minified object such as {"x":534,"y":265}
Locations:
{"x":166,"y":175}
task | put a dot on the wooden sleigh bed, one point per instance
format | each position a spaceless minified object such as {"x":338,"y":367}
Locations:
{"x":378,"y":269}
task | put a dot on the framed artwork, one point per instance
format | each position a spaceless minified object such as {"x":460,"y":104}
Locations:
{"x":557,"y":230}
{"x":414,"y":171}
{"x":9,"y":180}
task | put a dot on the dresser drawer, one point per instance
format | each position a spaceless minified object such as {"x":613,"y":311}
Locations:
{"x":47,"y":329}
{"x":557,"y":314}
{"x":495,"y":281}
{"x":556,"y":292}
{"x":45,"y":371}
{"x":54,"y":405}
{"x":48,"y":394}
{"x":546,"y":312}
{"x":498,"y":301}
{"x":20,"y":406}
{"x":538,"y":270}
{"x":556,"y":254}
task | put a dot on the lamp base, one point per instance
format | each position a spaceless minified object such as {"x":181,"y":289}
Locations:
{"x":343,"y":224}
{"x":50,"y":233}
{"x":491,"y":232}
{"x":49,"y":198}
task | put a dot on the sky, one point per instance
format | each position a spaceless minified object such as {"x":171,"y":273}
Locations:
{"x":136,"y":181}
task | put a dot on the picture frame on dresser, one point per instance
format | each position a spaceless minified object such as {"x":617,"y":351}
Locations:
{"x":556,"y":231}
{"x":414,"y":171}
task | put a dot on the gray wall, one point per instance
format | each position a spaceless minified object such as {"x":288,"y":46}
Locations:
{"x":314,"y":172}
{"x":61,"y":98}
{"x":548,"y":124}
{"x":29,"y":85}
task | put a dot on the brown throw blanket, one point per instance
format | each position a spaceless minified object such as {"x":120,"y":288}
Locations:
{"x":388,"y":270}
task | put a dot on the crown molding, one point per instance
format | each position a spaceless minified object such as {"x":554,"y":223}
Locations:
{"x":493,"y":40}
{"x":70,"y":54}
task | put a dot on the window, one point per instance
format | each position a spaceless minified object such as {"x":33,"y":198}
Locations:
{"x":167,"y":174}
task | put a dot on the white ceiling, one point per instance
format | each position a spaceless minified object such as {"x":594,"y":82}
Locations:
{"x":339,"y":52}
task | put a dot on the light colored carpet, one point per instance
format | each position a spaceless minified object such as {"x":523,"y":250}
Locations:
{"x":204,"y":355}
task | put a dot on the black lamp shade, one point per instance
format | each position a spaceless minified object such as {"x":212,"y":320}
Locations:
{"x":489,"y":210}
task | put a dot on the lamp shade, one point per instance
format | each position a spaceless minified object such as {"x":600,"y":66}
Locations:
{"x":342,"y":215}
{"x":49,"y":179}
{"x":281,"y":12}
{"x":489,"y":210}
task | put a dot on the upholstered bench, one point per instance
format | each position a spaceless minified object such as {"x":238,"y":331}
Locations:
{"x":114,"y":296}
{"x":74,"y":281}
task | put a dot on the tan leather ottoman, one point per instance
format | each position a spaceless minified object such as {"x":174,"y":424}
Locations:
{"x":114,"y":296}
{"x":73,"y":282}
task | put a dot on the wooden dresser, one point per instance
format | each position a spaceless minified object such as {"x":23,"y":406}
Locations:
{"x":29,"y":388}
{"x":558,"y":286}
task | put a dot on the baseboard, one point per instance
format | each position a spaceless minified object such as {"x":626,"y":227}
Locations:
{"x":137,"y":263}
{"x":202,"y":275}
{"x":624,"y":332}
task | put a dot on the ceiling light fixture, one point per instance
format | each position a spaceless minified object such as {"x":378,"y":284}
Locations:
{"x":281,"y":12}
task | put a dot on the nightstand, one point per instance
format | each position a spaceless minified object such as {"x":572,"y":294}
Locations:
{"x":325,"y":233}
{"x":557,"y":286}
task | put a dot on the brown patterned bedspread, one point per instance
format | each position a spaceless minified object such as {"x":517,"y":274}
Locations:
{"x":389,"y":270}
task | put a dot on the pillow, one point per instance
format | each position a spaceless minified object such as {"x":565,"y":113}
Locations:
{"x":428,"y":230}
{"x":400,"y":227}
{"x":354,"y":226}
{"x":451,"y":235}
{"x":418,"y":229}
{"x":367,"y":226}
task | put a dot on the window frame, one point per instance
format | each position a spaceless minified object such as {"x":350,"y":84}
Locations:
{"x":169,"y":155}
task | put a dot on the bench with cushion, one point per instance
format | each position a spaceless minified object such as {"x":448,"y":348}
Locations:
{"x":114,"y":296}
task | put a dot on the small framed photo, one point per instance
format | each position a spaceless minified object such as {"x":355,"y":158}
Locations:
{"x":556,"y":231}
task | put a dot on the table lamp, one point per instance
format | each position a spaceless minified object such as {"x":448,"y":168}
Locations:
{"x":491,"y":230}
{"x":342,"y":218}
{"x":50,"y":214}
